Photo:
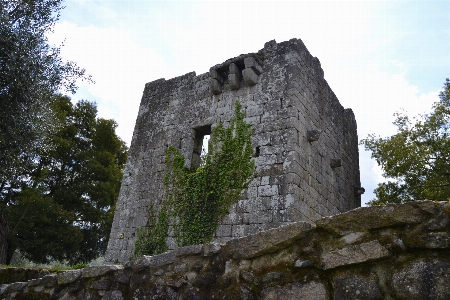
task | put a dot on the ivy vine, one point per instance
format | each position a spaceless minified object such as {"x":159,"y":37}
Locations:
{"x":197,"y":198}
{"x":152,"y":239}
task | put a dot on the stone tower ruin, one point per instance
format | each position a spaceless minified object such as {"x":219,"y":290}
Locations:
{"x":305,"y":143}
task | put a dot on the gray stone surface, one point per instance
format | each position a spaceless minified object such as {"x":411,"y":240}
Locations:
{"x":267,"y":241}
{"x":284,"y":95}
{"x":350,"y":286}
{"x":377,"y":217}
{"x":298,"y":261}
{"x":99,"y":270}
{"x":311,"y":290}
{"x":354,"y":254}
{"x":113,"y":295}
{"x":423,"y":279}
{"x":68,"y":277}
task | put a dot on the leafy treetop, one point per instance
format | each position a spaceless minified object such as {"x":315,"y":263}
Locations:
{"x":61,"y":205}
{"x":417,"y":157}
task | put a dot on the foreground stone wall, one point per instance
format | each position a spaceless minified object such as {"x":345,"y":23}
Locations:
{"x":390,"y":252}
{"x":305,"y":143}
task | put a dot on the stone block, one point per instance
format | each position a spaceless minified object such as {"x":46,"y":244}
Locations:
{"x":253,"y":120}
{"x":267,"y":190}
{"x":261,"y":139}
{"x":377,"y":217}
{"x":302,"y":263}
{"x":252,"y":193}
{"x":223,"y":231}
{"x":237,"y":231}
{"x":250,"y":218}
{"x":255,"y":204}
{"x":211,"y":249}
{"x":422,"y":279}
{"x":354,"y":254}
{"x":335,"y":162}
{"x":143,"y":263}
{"x":267,"y":241}
{"x":232,"y":219}
{"x":293,"y":291}
{"x":100,"y":284}
{"x":234,"y":81}
{"x":313,"y":135}
{"x":250,"y":62}
{"x":265,"y":180}
{"x":215,"y":86}
{"x":97,"y":271}
{"x":250,"y":77}
{"x":353,"y":286}
{"x":264,"y":217}
{"x":430,"y":240}
{"x":233,"y":69}
{"x":265,"y":160}
{"x":253,"y":110}
{"x":113,"y":295}
{"x":288,"y":112}
{"x":68,"y":276}
{"x":214,"y":74}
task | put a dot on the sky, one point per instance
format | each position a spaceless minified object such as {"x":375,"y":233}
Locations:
{"x":379,"y":57}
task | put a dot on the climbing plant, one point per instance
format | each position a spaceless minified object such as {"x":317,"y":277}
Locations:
{"x":197,"y":198}
{"x":152,"y":239}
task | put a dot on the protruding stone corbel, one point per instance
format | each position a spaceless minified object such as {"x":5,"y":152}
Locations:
{"x":335,"y":163}
{"x":250,"y":62}
{"x":215,"y":83}
{"x":252,"y":71}
{"x":250,"y":77}
{"x":234,"y":76}
{"x":313,"y":135}
{"x":359,"y":191}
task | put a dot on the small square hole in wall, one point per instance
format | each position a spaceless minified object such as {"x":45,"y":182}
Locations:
{"x":202,"y":135}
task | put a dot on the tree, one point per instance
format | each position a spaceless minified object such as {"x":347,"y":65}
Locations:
{"x":61,"y":206}
{"x":31,"y":71}
{"x":417,"y":158}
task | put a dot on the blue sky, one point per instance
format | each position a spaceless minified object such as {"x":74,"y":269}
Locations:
{"x":378,"y":56}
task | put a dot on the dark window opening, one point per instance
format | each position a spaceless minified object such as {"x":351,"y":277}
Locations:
{"x":202,"y":135}
{"x":257,"y":151}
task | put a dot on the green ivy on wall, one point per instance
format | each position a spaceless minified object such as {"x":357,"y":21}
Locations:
{"x":152,"y":239}
{"x":197,"y":198}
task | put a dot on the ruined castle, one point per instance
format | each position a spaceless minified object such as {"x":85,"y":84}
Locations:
{"x":305,"y":143}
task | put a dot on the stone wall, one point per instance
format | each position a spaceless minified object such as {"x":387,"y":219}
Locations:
{"x":306,"y":145}
{"x":389,"y":252}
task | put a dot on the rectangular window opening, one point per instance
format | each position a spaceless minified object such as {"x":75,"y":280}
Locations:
{"x":202,"y":135}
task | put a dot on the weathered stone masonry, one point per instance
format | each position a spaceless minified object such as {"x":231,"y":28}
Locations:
{"x":389,"y":252}
{"x":306,"y":145}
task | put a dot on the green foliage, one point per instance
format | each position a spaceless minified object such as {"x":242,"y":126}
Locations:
{"x":197,"y":198}
{"x":31,"y":71}
{"x":79,"y":266}
{"x":61,"y":205}
{"x":152,"y":239}
{"x":417,"y":157}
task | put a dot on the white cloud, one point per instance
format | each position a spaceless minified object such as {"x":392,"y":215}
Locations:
{"x":219,"y":30}
{"x":375,"y":96}
{"x":119,"y":66}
